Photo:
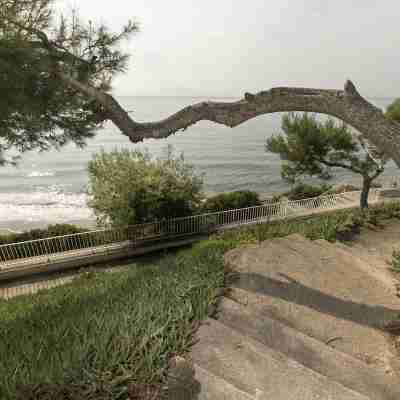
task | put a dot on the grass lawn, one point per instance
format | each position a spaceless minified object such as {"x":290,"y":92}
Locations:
{"x":104,"y":336}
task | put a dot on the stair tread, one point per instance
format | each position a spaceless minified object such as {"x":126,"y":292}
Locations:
{"x":310,"y":289}
{"x":259,"y":370}
{"x":373,"y":265}
{"x":341,"y":367}
{"x":213,"y":387}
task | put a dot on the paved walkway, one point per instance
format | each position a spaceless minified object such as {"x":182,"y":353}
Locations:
{"x":34,"y":284}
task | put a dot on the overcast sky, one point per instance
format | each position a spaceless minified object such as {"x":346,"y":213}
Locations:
{"x":227,"y":47}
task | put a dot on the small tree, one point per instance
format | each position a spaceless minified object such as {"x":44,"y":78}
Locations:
{"x":129,"y":187}
{"x":313,"y":148}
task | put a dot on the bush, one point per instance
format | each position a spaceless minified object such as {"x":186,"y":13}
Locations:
{"x":51,"y":230}
{"x":129,"y":187}
{"x":303,"y":191}
{"x":232,"y":200}
{"x":393,"y":111}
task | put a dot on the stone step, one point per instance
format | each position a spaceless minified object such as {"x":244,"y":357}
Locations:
{"x":250,"y":320}
{"x":320,"y":293}
{"x":258,"y":370}
{"x":379,"y":241}
{"x":373,"y":265}
{"x":213,"y":387}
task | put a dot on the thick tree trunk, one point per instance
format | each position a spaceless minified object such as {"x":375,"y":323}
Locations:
{"x":346,"y":105}
{"x":365,"y":192}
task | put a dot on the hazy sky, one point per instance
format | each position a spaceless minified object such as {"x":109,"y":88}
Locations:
{"x":227,"y":47}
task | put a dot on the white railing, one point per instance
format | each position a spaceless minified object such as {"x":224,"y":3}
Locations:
{"x":140,"y":235}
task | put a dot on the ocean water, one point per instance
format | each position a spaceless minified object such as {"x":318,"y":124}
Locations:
{"x":51,"y":187}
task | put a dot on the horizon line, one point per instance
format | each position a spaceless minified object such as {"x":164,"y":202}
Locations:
{"x":227,"y":97}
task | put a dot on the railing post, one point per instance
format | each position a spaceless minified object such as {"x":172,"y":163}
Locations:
{"x":285,"y":207}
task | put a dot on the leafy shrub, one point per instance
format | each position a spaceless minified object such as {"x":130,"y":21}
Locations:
{"x":303,"y":191}
{"x":51,"y":230}
{"x":129,"y":187}
{"x":232,"y":200}
{"x":393,"y":111}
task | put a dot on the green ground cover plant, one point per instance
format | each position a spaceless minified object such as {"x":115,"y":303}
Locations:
{"x":103,"y":334}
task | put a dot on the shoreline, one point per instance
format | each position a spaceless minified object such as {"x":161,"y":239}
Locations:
{"x":19,"y":226}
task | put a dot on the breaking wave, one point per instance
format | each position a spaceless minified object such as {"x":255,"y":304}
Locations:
{"x":38,"y":174}
{"x":53,"y":206}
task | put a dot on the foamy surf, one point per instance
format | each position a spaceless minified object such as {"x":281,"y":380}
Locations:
{"x":39,"y":174}
{"x":52,"y":206}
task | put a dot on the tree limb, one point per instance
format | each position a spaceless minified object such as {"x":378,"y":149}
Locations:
{"x":350,"y":107}
{"x":347,"y":105}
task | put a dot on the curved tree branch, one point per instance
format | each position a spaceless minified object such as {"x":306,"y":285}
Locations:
{"x":346,"y":105}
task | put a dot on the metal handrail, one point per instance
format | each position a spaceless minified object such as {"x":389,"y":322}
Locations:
{"x":183,"y":226}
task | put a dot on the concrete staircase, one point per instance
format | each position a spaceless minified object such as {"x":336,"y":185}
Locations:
{"x":302,"y":320}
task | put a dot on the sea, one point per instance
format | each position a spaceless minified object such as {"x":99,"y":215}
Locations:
{"x":51,"y":187}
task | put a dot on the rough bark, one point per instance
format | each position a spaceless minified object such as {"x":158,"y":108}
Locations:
{"x":347,"y":105}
